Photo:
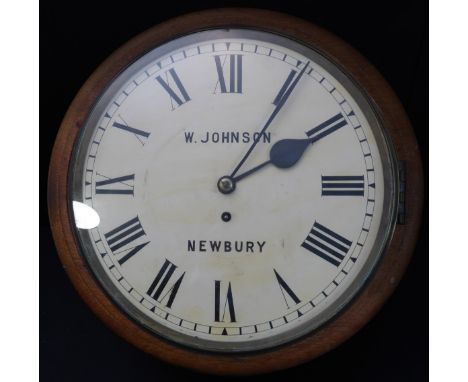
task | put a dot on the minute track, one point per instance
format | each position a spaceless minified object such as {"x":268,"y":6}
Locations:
{"x":171,"y":316}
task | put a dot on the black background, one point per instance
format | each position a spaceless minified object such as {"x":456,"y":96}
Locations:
{"x":75,"y":37}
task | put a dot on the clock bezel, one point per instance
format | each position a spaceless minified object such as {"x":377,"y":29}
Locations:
{"x":369,"y":299}
{"x":79,"y":163}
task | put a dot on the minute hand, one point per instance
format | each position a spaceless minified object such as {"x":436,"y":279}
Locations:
{"x":278,"y":107}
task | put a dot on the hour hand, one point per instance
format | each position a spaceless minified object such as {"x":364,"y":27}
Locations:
{"x":283,"y":154}
{"x":287,"y":152}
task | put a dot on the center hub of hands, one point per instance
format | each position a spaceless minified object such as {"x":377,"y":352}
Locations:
{"x":226,"y":184}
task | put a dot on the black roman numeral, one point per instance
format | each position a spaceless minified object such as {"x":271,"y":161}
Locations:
{"x":286,"y":290}
{"x":158,"y":289}
{"x":229,"y":303}
{"x":343,"y":185}
{"x":285,"y":87}
{"x":139,"y":134}
{"x":122,"y":185}
{"x":327,"y":244}
{"x":327,"y":127}
{"x":233,"y":62}
{"x":178,"y":94}
{"x":124,"y":234}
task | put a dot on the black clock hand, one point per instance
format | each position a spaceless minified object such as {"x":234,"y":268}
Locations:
{"x":287,"y":152}
{"x":283,"y":154}
{"x":272,"y":117}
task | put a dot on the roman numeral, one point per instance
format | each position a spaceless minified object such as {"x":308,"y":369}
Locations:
{"x":233,"y":63}
{"x":229,"y":303}
{"x":139,"y":134}
{"x":327,"y":244}
{"x":158,"y":289}
{"x":123,"y":185}
{"x":343,"y":185}
{"x":327,"y":127}
{"x":123,"y":235}
{"x":286,"y":290}
{"x":177,"y":93}
{"x":285,"y":87}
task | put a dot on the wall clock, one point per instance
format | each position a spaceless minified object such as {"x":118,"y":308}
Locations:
{"x":235,"y":191}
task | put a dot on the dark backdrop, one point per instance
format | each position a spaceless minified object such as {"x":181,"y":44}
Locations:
{"x":75,"y":37}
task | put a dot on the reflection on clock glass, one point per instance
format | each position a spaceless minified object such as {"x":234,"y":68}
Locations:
{"x":239,"y":185}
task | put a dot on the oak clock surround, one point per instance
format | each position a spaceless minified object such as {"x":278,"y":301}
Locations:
{"x":235,"y":191}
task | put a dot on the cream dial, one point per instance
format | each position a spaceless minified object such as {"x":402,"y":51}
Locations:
{"x":287,"y":236}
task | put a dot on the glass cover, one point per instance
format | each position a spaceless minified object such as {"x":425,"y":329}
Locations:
{"x":232,"y":190}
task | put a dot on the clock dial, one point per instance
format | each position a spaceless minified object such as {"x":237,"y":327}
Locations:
{"x":244,"y":187}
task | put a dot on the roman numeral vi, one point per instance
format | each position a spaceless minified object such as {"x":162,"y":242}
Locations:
{"x":229,"y":303}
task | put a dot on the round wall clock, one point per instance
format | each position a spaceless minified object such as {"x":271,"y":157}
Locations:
{"x":235,"y":191}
